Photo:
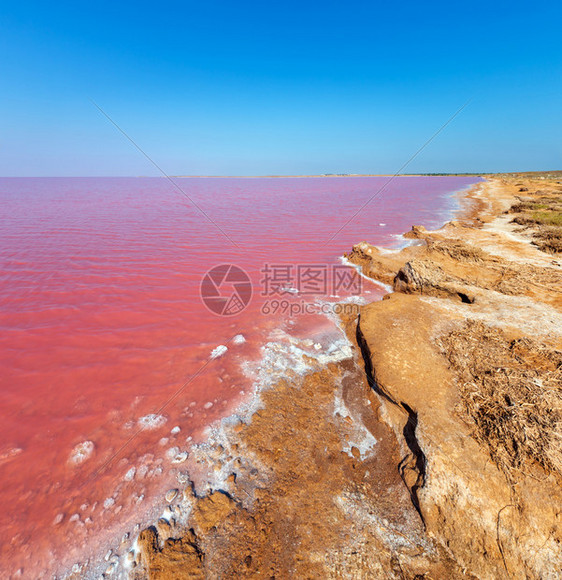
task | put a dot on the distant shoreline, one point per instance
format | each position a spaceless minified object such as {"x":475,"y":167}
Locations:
{"x":328,"y":175}
{"x":551,"y":174}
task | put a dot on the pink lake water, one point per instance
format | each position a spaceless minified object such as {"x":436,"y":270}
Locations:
{"x":105,"y":343}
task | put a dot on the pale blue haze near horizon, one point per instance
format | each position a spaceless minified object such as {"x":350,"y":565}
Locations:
{"x":257,"y":88}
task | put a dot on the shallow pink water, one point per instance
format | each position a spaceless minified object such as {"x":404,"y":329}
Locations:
{"x":101,"y":323}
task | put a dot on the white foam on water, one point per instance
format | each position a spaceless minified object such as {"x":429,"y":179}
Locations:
{"x":359,"y":269}
{"x":9,"y":454}
{"x":403,"y":243}
{"x":361,"y":300}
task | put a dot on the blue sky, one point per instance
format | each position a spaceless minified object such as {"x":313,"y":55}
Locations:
{"x":247,"y":88}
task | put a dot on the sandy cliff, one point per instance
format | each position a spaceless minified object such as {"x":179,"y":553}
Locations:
{"x":467,"y":355}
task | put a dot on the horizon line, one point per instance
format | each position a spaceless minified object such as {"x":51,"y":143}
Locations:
{"x":282,"y":176}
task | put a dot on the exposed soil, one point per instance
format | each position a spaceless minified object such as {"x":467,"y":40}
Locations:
{"x":303,"y":501}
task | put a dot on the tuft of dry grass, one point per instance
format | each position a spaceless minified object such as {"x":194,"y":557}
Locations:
{"x":511,"y":393}
{"x":543,"y":215}
{"x":548,"y":239}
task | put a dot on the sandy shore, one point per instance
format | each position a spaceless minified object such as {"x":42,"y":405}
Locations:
{"x":427,"y":444}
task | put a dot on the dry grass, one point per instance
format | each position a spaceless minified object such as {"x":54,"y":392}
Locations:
{"x":543,"y":215}
{"x":511,"y":393}
{"x":549,"y":239}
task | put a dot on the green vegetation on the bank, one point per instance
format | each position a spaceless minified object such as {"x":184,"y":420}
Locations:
{"x":548,"y":218}
{"x":541,"y":213}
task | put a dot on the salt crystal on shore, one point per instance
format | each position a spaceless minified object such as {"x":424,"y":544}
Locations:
{"x":172,"y":452}
{"x":176,"y":456}
{"x":109,"y":502}
{"x":219,"y":351}
{"x":180,"y":457}
{"x":238,"y":339}
{"x":82,"y":452}
{"x":129,"y":476}
{"x":152,"y":421}
{"x":142,"y":471}
{"x":109,"y":570}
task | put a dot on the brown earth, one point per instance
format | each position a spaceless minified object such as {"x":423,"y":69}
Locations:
{"x":434,"y":452}
{"x":297,"y":505}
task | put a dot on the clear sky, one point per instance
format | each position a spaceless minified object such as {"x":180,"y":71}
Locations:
{"x":292,"y":87}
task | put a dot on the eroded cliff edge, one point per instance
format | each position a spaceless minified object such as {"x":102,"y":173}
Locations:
{"x":468,"y":351}
{"x":434,"y":450}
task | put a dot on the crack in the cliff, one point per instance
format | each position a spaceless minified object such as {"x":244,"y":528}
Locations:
{"x":415,"y":461}
{"x":498,"y":540}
